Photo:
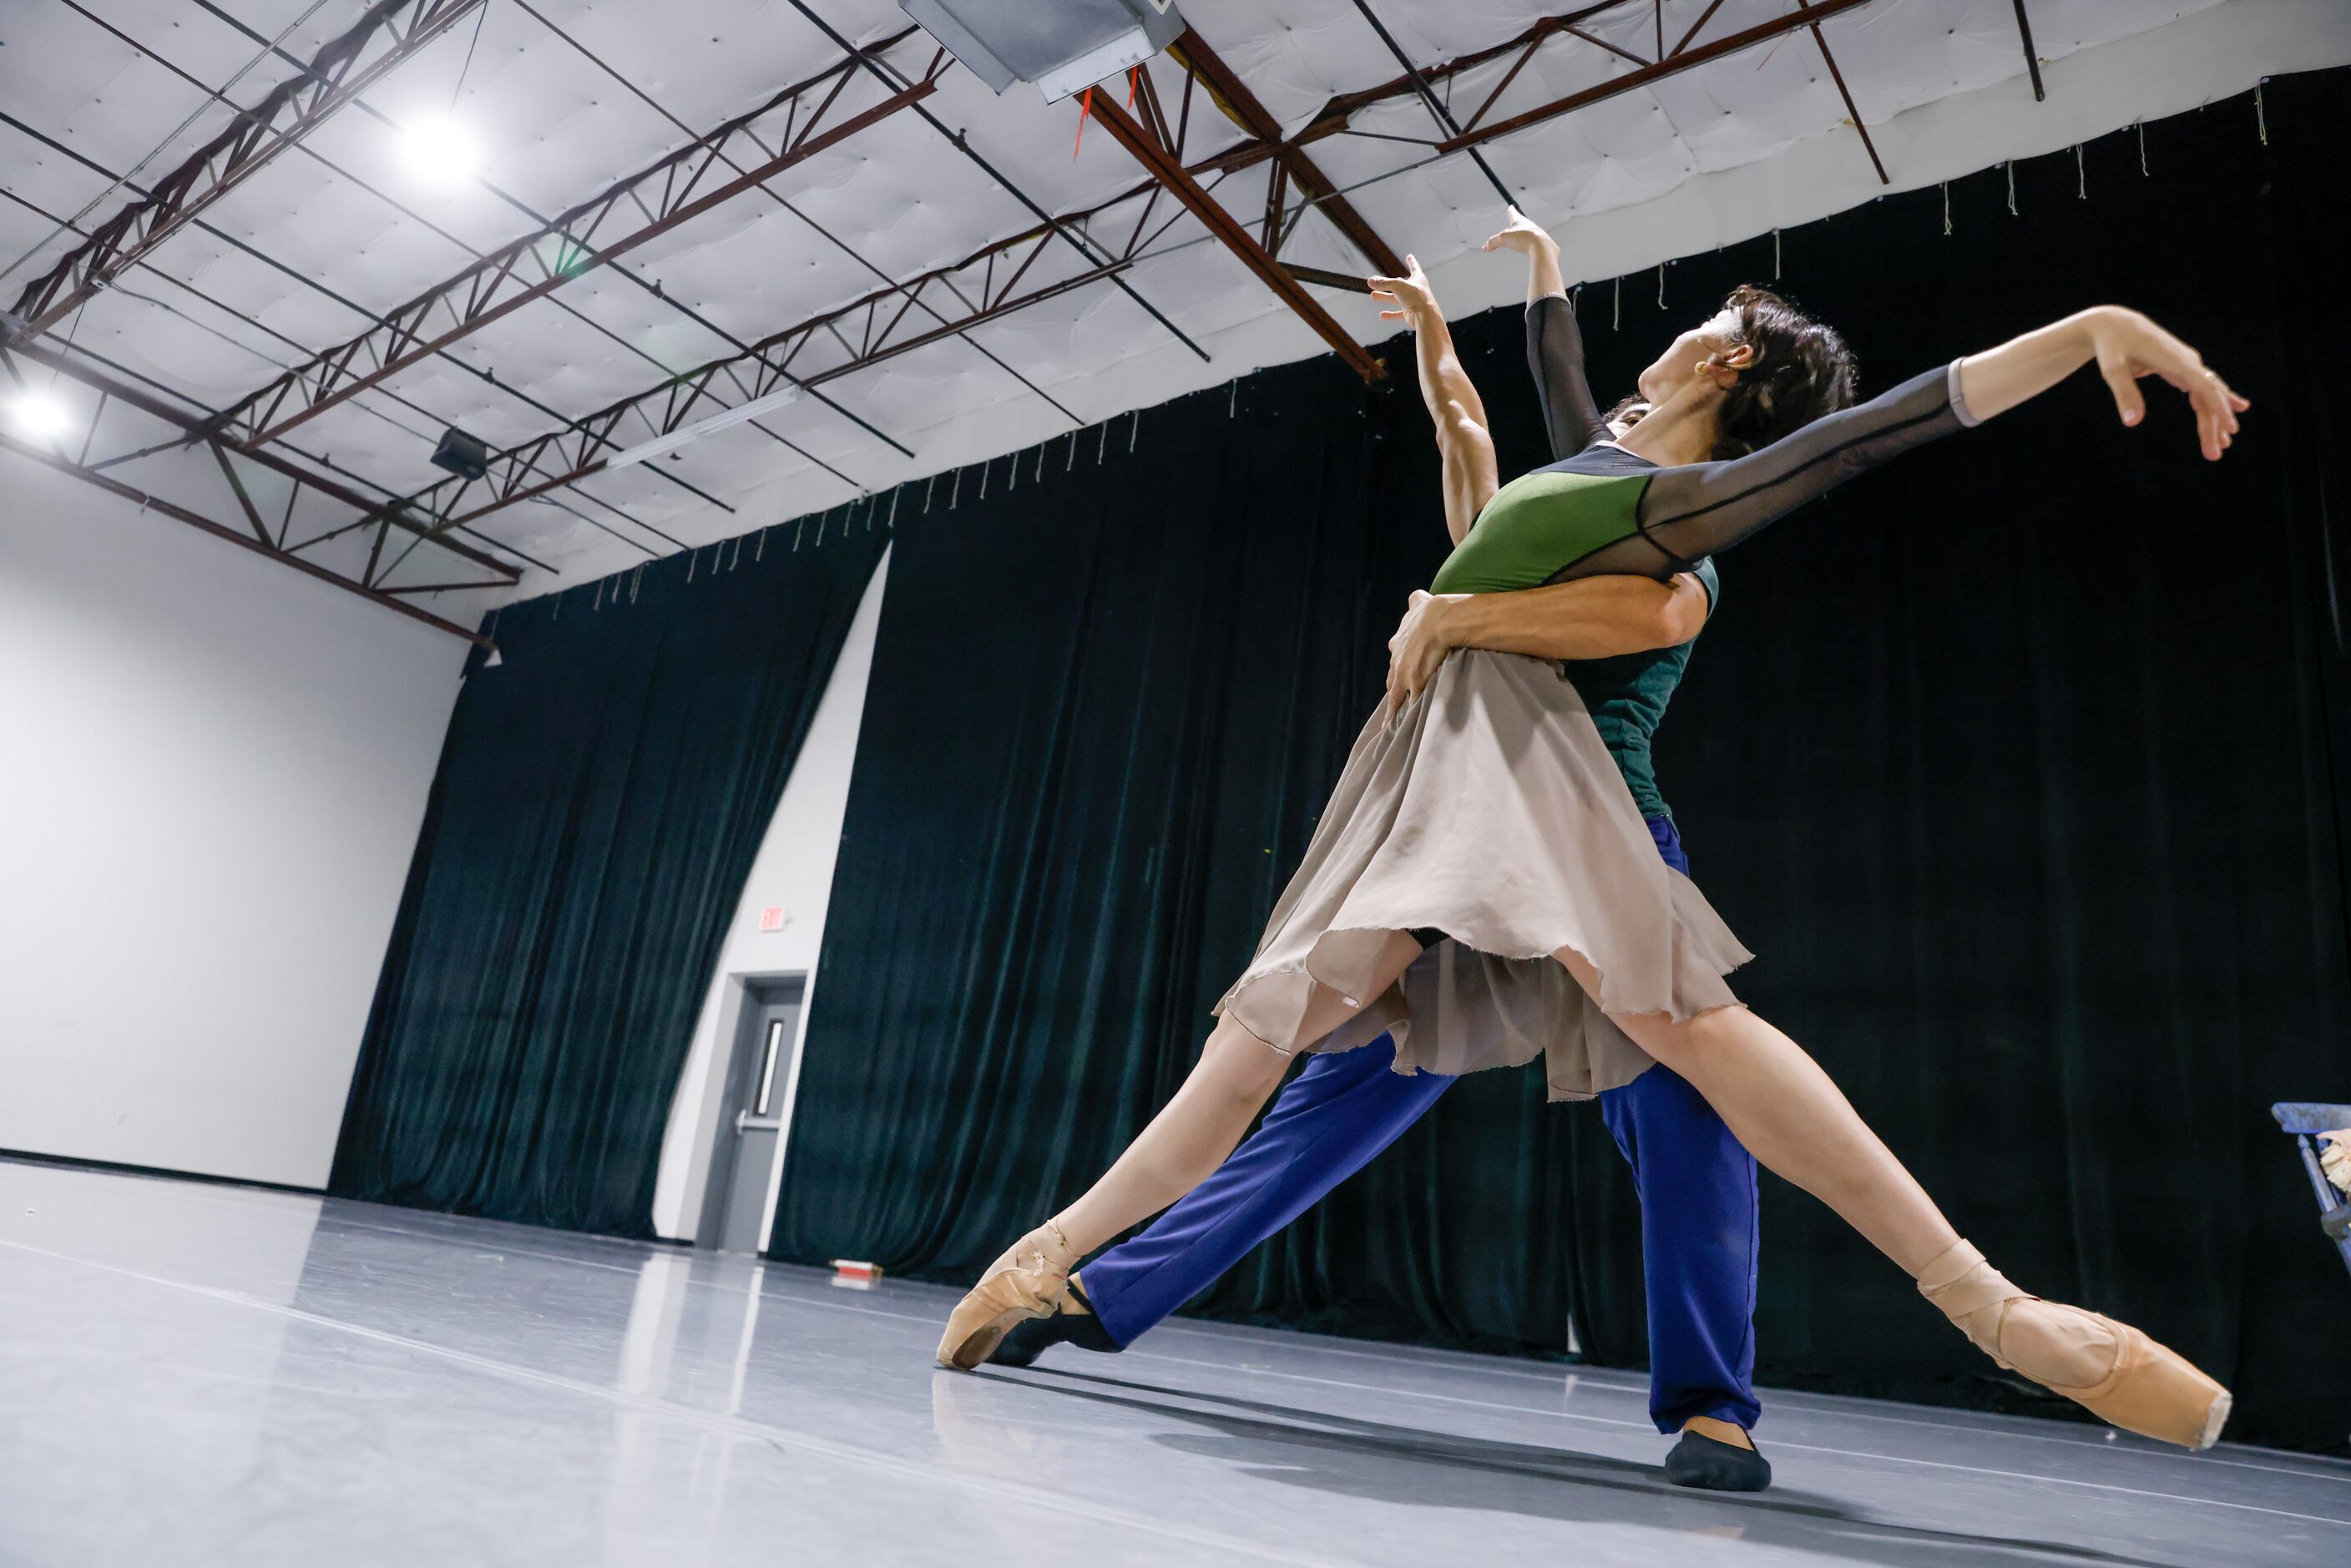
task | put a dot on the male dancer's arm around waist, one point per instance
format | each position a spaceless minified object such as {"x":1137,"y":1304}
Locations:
{"x":1589,"y":618}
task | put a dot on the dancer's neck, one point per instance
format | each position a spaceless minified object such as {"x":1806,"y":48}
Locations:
{"x":1681,"y":430}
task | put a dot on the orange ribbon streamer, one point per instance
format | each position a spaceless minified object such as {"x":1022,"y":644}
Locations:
{"x":1086,"y":107}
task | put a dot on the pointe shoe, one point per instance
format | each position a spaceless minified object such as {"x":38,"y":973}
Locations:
{"x":1028,"y":1282}
{"x":1072,"y":1322}
{"x":2110,"y":1369}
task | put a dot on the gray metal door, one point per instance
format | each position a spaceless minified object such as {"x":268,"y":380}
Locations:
{"x":746,"y":1144}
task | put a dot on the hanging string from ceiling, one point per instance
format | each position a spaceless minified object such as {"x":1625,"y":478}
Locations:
{"x":610,"y":588}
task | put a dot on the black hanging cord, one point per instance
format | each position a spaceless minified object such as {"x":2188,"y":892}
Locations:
{"x":1443,"y":116}
{"x":470,"y":47}
{"x":2032,"y":61}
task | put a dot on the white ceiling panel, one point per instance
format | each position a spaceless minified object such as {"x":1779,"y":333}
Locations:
{"x":565,"y":98}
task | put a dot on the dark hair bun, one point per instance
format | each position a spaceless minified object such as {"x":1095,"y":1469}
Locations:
{"x":1802,"y":370}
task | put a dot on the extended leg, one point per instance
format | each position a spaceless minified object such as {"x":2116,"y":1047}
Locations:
{"x":1181,"y":1147}
{"x":1786,"y":1111}
{"x":1794,"y":1119}
{"x":1192,"y":1133}
{"x":1330,"y":1121}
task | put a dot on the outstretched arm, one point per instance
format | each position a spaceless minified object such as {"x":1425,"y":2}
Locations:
{"x":1700,"y":509}
{"x":1462,"y":442}
{"x":1572,"y":417}
{"x":2125,"y":347}
{"x":1594,"y":618}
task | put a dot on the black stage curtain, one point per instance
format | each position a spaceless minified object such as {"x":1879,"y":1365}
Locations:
{"x":599,"y":799}
{"x":2020,"y":763}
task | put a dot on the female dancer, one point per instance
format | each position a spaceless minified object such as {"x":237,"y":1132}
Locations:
{"x":1480,"y":849}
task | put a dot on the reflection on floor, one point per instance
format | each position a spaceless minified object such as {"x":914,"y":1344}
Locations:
{"x":192,"y":1373}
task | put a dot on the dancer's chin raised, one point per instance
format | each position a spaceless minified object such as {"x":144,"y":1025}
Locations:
{"x":2110,"y":1369}
{"x":1028,"y":1281}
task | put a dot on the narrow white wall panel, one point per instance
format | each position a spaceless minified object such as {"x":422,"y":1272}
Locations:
{"x":212,"y":773}
{"x":793,"y":872}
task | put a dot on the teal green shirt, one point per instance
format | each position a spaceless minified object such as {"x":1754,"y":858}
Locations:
{"x":1627,"y":695}
{"x":1558,"y":515}
{"x":1553,"y":518}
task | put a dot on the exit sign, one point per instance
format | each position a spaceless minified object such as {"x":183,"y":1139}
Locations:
{"x":772,"y":917}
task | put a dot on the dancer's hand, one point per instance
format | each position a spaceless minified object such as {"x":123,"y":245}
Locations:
{"x":2128,"y":346}
{"x":1419,"y":646}
{"x":1541,"y":250}
{"x":1416,"y":302}
{"x":1524,"y":236}
{"x":2125,"y":346}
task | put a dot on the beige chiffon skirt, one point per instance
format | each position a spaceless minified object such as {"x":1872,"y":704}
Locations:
{"x":1489,"y":810}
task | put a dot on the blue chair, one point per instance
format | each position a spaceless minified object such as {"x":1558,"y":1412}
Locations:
{"x":2306,"y":1122}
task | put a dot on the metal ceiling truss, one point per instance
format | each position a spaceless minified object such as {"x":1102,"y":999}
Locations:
{"x":945,"y":302}
{"x":1147,"y":137}
{"x":281,"y":509}
{"x":1158,"y":146}
{"x":2031,"y":59}
{"x":508,"y":198}
{"x":1685,"y":53}
{"x":1077,"y":241}
{"x":657,"y":200}
{"x":1440,"y":108}
{"x":1241,"y":106}
{"x":1851,"y":109}
{"x":942,"y":303}
{"x":149,"y":264}
{"x":784,"y":204}
{"x":980,"y":288}
{"x":390,"y":32}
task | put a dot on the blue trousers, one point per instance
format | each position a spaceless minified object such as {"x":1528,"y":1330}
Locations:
{"x":1700,"y":1238}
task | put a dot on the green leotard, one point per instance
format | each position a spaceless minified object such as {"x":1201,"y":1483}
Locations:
{"x":1605,"y":511}
{"x":1539,"y":522}
{"x":1600,"y":509}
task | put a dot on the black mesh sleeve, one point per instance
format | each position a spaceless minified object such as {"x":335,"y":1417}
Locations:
{"x":1699,"y":509}
{"x":1556,"y":356}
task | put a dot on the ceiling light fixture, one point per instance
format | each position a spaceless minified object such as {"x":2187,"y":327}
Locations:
{"x":1062,"y":46}
{"x":725,"y":419}
{"x":40,"y":415}
{"x":442,"y":151}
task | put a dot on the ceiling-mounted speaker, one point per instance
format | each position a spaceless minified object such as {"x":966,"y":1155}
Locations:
{"x":1062,"y":46}
{"x":467,"y":456}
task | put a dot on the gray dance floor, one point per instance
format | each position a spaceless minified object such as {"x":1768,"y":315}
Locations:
{"x":196,"y":1374}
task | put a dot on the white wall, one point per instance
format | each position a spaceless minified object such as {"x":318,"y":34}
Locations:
{"x":794,"y":870}
{"x":212,"y":773}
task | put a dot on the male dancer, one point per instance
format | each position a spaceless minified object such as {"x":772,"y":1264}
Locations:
{"x":1629,"y":638}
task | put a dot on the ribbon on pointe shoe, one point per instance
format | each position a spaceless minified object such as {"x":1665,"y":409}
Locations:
{"x":1961,"y":1284}
{"x":1028,"y":1282}
{"x":2145,"y":1387}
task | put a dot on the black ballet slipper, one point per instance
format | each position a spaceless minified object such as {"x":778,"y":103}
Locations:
{"x":1711,"y":1465}
{"x":1032,"y":1338}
